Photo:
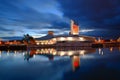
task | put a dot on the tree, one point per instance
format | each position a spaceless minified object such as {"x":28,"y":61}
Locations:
{"x":27,"y":39}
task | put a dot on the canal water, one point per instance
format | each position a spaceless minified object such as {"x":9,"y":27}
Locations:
{"x":61,"y":64}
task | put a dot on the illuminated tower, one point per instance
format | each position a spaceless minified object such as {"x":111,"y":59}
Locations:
{"x":74,"y":28}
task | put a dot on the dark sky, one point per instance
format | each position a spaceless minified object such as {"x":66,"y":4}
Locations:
{"x":36,"y":17}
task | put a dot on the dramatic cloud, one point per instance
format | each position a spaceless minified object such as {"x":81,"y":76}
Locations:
{"x":97,"y":14}
{"x":36,"y":17}
{"x":30,"y":16}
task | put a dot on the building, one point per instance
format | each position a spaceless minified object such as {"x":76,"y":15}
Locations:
{"x":118,"y":40}
{"x":72,"y":39}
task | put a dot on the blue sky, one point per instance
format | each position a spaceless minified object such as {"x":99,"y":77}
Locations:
{"x":36,"y":17}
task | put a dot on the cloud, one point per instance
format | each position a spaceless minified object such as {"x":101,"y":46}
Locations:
{"x":38,"y":16}
{"x":30,"y":16}
{"x":94,"y":14}
{"x":86,"y":30}
{"x":91,"y":12}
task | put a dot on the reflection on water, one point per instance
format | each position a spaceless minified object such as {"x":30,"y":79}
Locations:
{"x":75,"y":62}
{"x":51,"y":52}
{"x":59,"y":60}
{"x":111,"y":49}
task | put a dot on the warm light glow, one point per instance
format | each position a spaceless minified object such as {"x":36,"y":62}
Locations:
{"x":74,"y":28}
{"x":70,"y":38}
{"x":111,"y":49}
{"x":42,"y":43}
{"x":15,"y":52}
{"x":46,"y":43}
{"x":38,"y":43}
{"x":70,"y":53}
{"x":82,"y":52}
{"x":62,"y":53}
{"x":61,"y":38}
{"x":54,"y":53}
{"x":99,"y":40}
{"x":54,"y":39}
{"x":81,"y":39}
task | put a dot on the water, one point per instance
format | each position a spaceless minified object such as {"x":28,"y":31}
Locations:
{"x":61,"y":64}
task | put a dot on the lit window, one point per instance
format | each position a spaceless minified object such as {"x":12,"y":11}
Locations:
{"x":54,"y":39}
{"x":38,"y":43}
{"x":82,"y":52}
{"x":70,"y":53}
{"x":42,"y":43}
{"x":62,"y":39}
{"x":62,"y":54}
{"x":70,"y":39}
{"x":81,"y":39}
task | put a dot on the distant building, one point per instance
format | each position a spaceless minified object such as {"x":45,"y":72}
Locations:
{"x":118,"y":40}
{"x":73,"y":39}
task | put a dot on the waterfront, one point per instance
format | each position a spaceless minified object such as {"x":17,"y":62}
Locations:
{"x":61,"y":64}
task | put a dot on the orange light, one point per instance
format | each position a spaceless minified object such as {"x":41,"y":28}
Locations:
{"x":76,"y":64}
{"x":75,"y":29}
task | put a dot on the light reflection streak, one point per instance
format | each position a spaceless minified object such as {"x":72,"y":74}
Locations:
{"x":111,"y":49}
{"x":70,"y":53}
{"x":99,"y":50}
{"x":15,"y":53}
{"x":51,"y":52}
{"x":23,"y":53}
{"x":75,"y":62}
{"x":8,"y":53}
{"x":102,"y":53}
{"x":63,"y":52}
{"x":82,"y":52}
{"x":34,"y":56}
{"x":0,"y":53}
{"x":54,"y":53}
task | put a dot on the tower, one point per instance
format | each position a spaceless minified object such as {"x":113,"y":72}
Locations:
{"x":74,"y":28}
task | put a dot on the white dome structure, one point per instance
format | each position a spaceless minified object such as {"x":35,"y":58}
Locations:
{"x":73,"y":39}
